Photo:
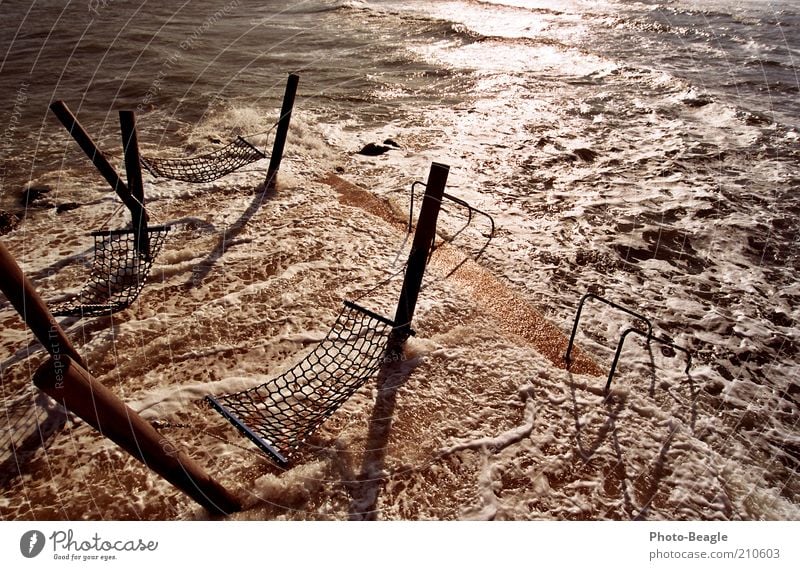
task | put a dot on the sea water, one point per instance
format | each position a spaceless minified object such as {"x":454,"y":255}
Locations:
{"x":646,"y":152}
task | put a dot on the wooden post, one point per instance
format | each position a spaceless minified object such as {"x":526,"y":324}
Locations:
{"x":33,"y":310}
{"x":282,"y":131}
{"x":88,"y":146}
{"x":418,"y":258}
{"x":133,"y":170}
{"x":64,"y":378}
{"x":75,"y":389}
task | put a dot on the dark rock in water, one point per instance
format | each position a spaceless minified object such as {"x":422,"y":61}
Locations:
{"x":693,"y":99}
{"x":67,"y":206}
{"x":779,"y":318}
{"x":754,"y":118}
{"x":391,"y":142}
{"x":32,"y":197}
{"x":8,"y":222}
{"x":714,"y":387}
{"x":373,"y":149}
{"x":585,"y":154}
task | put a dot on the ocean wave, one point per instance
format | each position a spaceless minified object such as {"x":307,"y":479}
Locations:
{"x":606,"y":171}
{"x":522,"y":8}
{"x":324,"y":6}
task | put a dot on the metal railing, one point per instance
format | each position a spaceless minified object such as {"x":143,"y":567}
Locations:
{"x":647,"y":335}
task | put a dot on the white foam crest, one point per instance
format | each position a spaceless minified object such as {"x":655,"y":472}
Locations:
{"x":166,"y":402}
{"x":600,"y":175}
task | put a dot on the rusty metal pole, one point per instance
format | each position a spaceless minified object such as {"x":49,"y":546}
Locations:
{"x":133,"y":170}
{"x":423,"y":242}
{"x":282,"y":131}
{"x":75,"y":389}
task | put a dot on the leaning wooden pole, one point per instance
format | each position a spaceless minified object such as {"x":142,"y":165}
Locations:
{"x":64,"y":378}
{"x":282,"y":131}
{"x":420,"y":249}
{"x":76,"y":390}
{"x":33,"y":310}
{"x":133,"y":171}
{"x":88,"y":146}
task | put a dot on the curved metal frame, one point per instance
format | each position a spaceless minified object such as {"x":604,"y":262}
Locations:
{"x":588,"y":296}
{"x":648,"y":336}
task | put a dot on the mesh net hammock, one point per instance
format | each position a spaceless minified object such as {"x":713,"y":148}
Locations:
{"x":279,"y":415}
{"x":118,"y":274}
{"x":206,"y":167}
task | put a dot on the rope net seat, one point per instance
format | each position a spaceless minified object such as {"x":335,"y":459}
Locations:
{"x":206,"y":167}
{"x":279,"y":415}
{"x":119,"y":272}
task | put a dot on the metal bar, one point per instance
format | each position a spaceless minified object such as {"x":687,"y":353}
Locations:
{"x":423,"y":241}
{"x":34,"y":310}
{"x":411,"y":205}
{"x":128,"y":231}
{"x":283,"y":129}
{"x":607,"y":302}
{"x":369,"y":313}
{"x":471,"y":209}
{"x":260,"y":442}
{"x":133,"y":170}
{"x":648,"y":337}
{"x":88,"y":146}
{"x":460,"y":202}
{"x":76,"y":390}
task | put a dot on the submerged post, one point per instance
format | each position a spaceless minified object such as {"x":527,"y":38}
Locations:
{"x":75,"y":389}
{"x":282,"y":131}
{"x":88,"y":146}
{"x":133,"y":170}
{"x":22,"y":295}
{"x":418,"y":258}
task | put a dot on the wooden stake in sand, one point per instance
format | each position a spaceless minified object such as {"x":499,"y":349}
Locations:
{"x":99,"y":160}
{"x":33,"y":309}
{"x":64,"y":378}
{"x":421,"y":248}
{"x":283,"y":130}
{"x":133,"y":170}
{"x":71,"y":386}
